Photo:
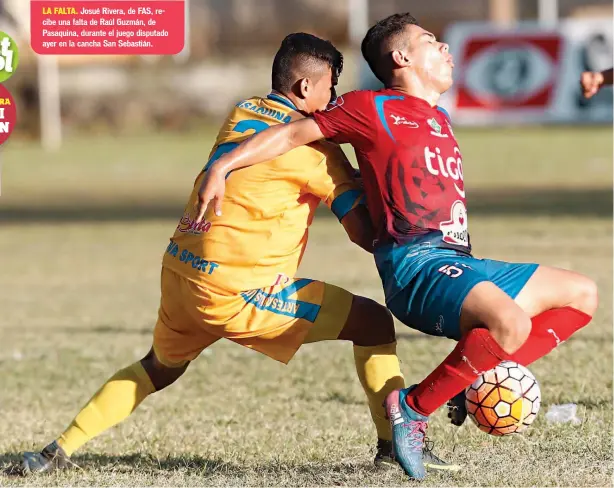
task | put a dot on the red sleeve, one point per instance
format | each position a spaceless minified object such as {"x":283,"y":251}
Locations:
{"x":349,"y":119}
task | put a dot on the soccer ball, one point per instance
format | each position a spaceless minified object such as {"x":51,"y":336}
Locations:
{"x":504,"y":400}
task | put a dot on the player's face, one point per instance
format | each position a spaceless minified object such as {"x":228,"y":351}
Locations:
{"x":322,"y":92}
{"x":430,"y":58}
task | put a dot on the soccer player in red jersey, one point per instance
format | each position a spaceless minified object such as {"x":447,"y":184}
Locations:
{"x":412,"y":170}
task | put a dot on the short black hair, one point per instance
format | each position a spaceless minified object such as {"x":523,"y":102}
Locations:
{"x":296,"y":56}
{"x":377,"y":37}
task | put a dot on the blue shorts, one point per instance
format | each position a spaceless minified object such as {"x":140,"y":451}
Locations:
{"x":434,"y":284}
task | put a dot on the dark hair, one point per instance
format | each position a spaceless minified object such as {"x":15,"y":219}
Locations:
{"x":376,"y":39}
{"x":296,"y":50}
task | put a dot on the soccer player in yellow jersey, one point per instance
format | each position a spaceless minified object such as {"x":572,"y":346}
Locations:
{"x":232,"y":277}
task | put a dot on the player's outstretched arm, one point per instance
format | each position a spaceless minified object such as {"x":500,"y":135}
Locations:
{"x":358,"y":226}
{"x":264,"y":146}
{"x":592,"y":82}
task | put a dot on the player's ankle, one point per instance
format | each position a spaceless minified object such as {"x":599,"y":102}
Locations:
{"x":413,"y":402}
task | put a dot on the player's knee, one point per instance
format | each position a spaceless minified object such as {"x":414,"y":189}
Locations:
{"x":585,"y":295}
{"x":161,"y":375}
{"x":383,"y":325}
{"x":369,"y":323}
{"x":511,"y":329}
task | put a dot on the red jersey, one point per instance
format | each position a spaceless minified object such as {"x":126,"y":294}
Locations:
{"x":410,"y":164}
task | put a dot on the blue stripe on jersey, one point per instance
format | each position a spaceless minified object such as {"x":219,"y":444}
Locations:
{"x":219,"y":152}
{"x":279,"y":303}
{"x":345,"y":202}
{"x":282,"y":100}
{"x":445,"y":112}
{"x":379,"y":107}
{"x":225,"y":147}
{"x":244,"y":126}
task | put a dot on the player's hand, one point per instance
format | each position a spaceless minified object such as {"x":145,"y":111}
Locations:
{"x":211,"y":189}
{"x":591,"y":83}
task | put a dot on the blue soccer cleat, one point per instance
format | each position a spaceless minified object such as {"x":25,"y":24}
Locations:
{"x":408,"y":434}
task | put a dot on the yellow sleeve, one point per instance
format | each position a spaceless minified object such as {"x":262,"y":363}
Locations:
{"x":334,"y":181}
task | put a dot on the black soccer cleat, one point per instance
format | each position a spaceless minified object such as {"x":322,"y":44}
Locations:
{"x":432,"y":461}
{"x":457,"y":410}
{"x":384,"y":458}
{"x":51,"y":458}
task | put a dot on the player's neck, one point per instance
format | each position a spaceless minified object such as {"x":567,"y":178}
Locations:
{"x":416,"y":89}
{"x":296,"y":101}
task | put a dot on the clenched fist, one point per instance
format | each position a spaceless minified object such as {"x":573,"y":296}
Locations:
{"x":592,"y":81}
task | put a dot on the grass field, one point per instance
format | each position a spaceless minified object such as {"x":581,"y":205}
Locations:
{"x":81,"y":237}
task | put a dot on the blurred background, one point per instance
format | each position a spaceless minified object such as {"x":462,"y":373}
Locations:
{"x":118,"y":120}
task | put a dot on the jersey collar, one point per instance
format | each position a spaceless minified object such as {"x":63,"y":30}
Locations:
{"x":276,"y":97}
{"x":415,"y":100}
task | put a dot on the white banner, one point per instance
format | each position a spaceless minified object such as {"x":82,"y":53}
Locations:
{"x":528,"y":74}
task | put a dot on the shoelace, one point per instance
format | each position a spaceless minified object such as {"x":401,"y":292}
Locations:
{"x":417,"y":434}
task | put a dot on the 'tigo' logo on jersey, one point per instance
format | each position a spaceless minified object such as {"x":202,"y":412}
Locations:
{"x":9,"y":56}
{"x":451,"y":168}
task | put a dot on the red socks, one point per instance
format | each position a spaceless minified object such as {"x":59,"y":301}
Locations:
{"x":475,"y":353}
{"x":549,"y":329}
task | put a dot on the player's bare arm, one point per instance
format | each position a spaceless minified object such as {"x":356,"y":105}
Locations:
{"x":268,"y":144}
{"x":593,"y":81}
{"x":358,"y":226}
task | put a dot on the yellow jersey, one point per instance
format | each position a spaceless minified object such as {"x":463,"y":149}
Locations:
{"x":261,"y":236}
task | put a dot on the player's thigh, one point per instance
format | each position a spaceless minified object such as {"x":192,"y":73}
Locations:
{"x":278,"y":320}
{"x":335,"y":308}
{"x":178,"y":335}
{"x":550,"y":288}
{"x":432,"y":300}
{"x":492,"y":303}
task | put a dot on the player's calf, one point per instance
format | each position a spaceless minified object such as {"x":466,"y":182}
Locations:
{"x":116,"y":399}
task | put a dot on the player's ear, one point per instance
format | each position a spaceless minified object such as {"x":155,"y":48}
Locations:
{"x":400,"y":59}
{"x":304,"y":87}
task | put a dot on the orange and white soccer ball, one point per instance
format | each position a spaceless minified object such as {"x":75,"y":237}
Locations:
{"x":504,"y":400}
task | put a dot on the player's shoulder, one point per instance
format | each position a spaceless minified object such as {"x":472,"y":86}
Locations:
{"x":251,"y":103}
{"x":318,"y":154}
{"x":270,"y":110}
{"x":445,"y":113}
{"x":352,"y":99}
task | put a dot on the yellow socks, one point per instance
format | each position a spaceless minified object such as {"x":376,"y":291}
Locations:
{"x":379,"y":373}
{"x":377,"y":367}
{"x":117,"y":399}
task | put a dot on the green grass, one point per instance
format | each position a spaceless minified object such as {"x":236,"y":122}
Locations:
{"x":79,"y":299}
{"x":143,"y":170}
